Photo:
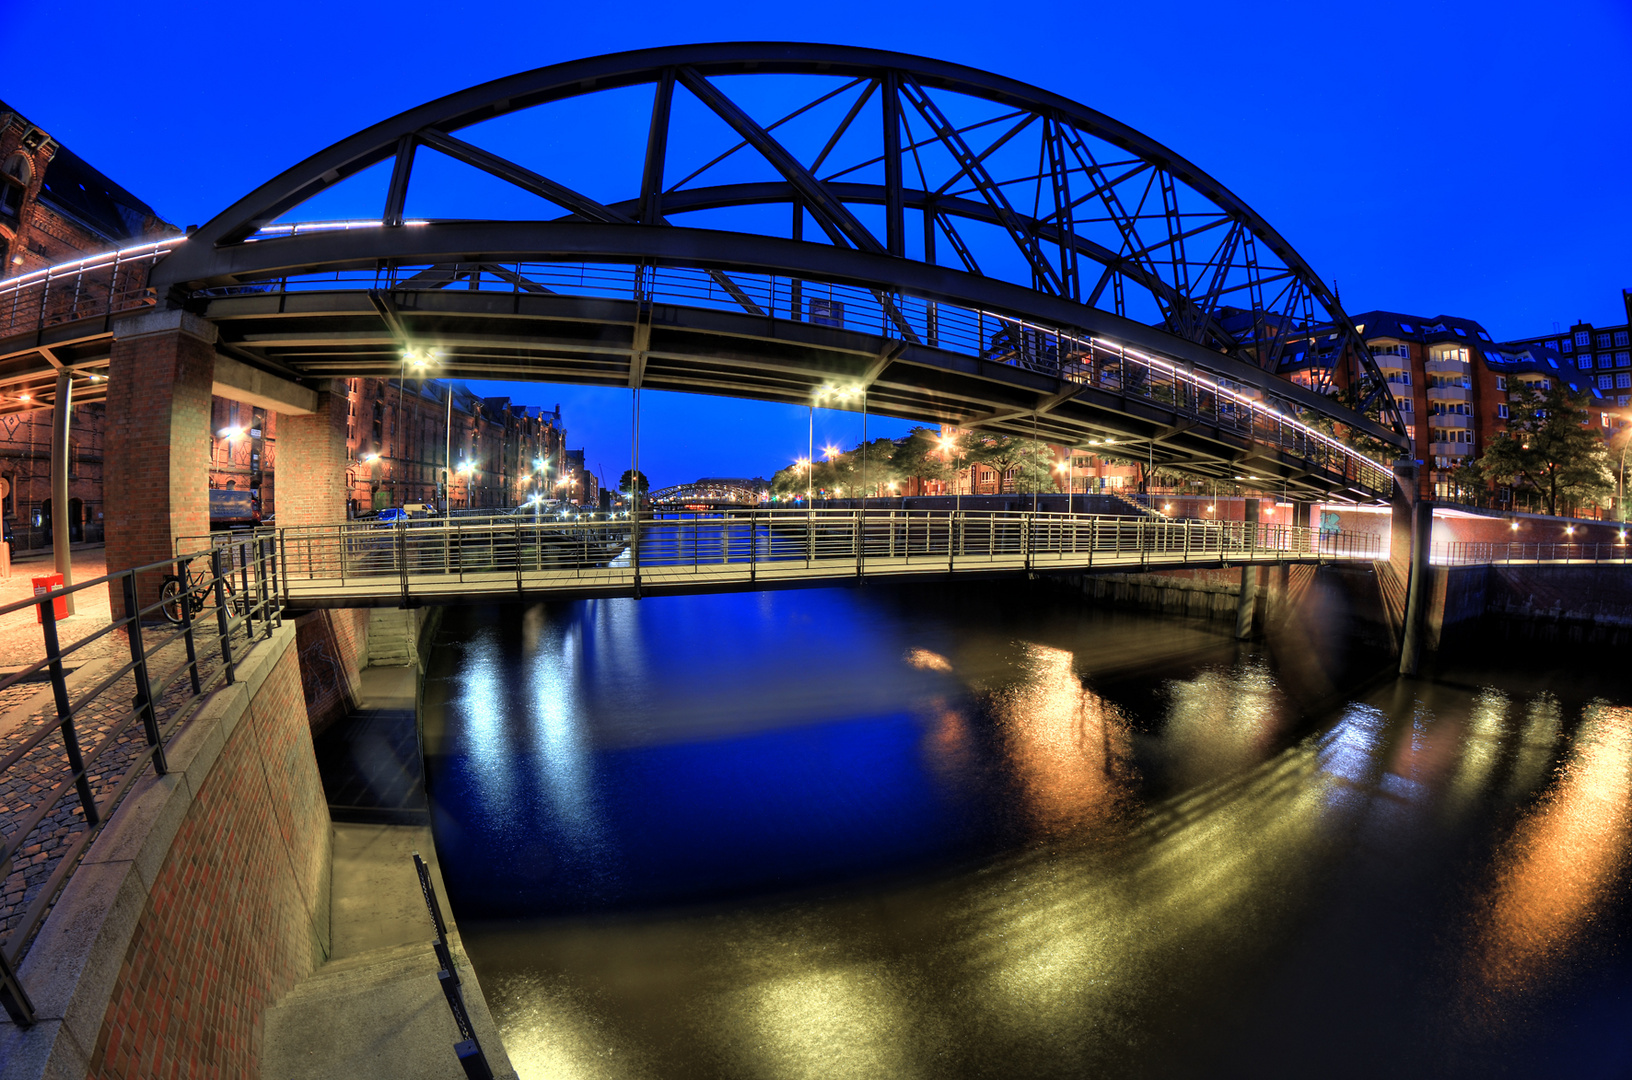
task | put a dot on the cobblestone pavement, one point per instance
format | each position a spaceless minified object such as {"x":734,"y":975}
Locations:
{"x":105,"y":724}
{"x":21,"y":642}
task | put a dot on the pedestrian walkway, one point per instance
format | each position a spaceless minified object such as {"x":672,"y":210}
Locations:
{"x":376,"y":1008}
{"x":20,"y":640}
{"x":370,"y":761}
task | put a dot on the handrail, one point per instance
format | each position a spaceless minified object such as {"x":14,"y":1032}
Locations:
{"x":1487,"y":553}
{"x":428,"y":560}
{"x":165,"y":680}
{"x":468,"y":1049}
{"x":1058,"y":351}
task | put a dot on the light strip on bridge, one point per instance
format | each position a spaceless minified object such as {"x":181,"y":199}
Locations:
{"x":152,"y":247}
{"x":1154,"y":361}
{"x":164,"y":247}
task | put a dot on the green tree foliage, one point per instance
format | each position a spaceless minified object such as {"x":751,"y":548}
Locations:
{"x":919,"y":456}
{"x":1031,"y":461}
{"x":1548,"y":449}
{"x":639,"y":478}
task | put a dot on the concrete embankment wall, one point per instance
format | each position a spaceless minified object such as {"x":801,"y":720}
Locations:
{"x":1587,"y":605}
{"x":1468,"y":606}
{"x":203,"y":900}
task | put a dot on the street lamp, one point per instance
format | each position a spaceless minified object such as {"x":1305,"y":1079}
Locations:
{"x":949,"y":451}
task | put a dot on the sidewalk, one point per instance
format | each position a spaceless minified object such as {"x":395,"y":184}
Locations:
{"x":21,"y":642}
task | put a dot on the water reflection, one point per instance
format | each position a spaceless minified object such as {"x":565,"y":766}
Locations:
{"x":1564,"y":859}
{"x":1066,"y":747}
{"x":999,"y":839}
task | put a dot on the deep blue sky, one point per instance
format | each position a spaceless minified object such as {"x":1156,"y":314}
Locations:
{"x":1459,"y":158}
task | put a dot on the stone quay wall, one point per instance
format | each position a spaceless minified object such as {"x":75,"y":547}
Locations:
{"x":205,"y":898}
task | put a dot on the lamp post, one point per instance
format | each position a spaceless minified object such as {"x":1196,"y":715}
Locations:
{"x":949,"y":452}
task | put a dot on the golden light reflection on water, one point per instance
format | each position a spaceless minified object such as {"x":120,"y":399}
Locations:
{"x":1066,"y":746}
{"x":1221,"y":721}
{"x":1563,"y":858}
{"x":1056,"y":952}
{"x":844,"y":1021}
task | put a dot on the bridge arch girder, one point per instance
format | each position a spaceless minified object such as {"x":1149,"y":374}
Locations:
{"x":1180,"y":235}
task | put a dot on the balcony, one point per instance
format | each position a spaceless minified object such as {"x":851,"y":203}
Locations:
{"x":1450,"y":393}
{"x":1447,"y":367}
{"x":1451,"y":449}
{"x":1451,"y":421}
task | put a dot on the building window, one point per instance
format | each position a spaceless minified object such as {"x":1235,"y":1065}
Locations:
{"x":1565,"y":346}
{"x":1620,"y":338}
{"x":1603,"y":341}
{"x":1623,"y":380}
{"x":1623,"y":358}
{"x":1501,"y":382}
{"x":1603,"y":382}
{"x":1501,"y":412}
{"x":1582,"y":338}
{"x":1585,"y":360}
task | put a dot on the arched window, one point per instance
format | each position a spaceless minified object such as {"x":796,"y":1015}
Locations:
{"x":19,"y":168}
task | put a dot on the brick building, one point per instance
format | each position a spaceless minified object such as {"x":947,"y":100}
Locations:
{"x":399,"y":439}
{"x":1448,"y":377}
{"x":1601,"y":355}
{"x":55,"y":208}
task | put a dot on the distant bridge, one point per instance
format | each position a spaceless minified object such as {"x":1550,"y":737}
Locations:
{"x":359,"y":564}
{"x":709,"y":491}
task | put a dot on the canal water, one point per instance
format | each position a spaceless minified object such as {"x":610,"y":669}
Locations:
{"x":925,"y":831}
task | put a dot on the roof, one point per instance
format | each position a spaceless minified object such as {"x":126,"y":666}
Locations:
{"x":79,"y":192}
{"x":1403,"y":327}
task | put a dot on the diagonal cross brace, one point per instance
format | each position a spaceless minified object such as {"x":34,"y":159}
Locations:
{"x":836,"y":220}
{"x":989,"y":190}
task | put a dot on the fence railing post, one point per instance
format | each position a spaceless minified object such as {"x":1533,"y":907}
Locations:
{"x":144,"y":687}
{"x":65,"y":717}
{"x":220,"y":613}
{"x":185,"y":600}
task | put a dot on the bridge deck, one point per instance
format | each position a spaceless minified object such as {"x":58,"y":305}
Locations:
{"x":500,"y":559}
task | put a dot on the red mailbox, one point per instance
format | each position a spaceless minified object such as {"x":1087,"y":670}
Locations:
{"x":43,"y":585}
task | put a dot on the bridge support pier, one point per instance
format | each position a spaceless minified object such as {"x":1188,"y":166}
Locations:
{"x":1410,"y":545}
{"x":312,"y":462}
{"x":160,"y":376}
{"x":1247,"y":605}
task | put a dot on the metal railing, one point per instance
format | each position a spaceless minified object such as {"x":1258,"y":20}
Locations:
{"x":104,"y":284}
{"x":468,"y":1049}
{"x":1260,"y":415}
{"x":1475,"y":553}
{"x":431,"y":559}
{"x":62,"y":773}
{"x":97,"y":285}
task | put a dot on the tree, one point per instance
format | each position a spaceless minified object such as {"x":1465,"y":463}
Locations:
{"x":639,"y":478}
{"x":1029,"y":460}
{"x":1549,"y":449}
{"x":919,"y":456}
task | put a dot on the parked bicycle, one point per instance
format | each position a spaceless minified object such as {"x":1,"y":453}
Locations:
{"x":196,"y":593}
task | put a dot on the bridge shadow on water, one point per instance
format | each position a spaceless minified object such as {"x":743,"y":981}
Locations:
{"x":914,"y":831}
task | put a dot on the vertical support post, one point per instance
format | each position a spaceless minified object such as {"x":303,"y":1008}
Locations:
{"x":61,"y":425}
{"x":1416,"y":589}
{"x":220,"y":615}
{"x":186,"y":603}
{"x":65,"y":719}
{"x":1247,"y":603}
{"x":634,"y":488}
{"x":144,"y":687}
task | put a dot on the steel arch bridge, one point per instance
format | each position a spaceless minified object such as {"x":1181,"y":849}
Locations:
{"x":957,"y":246}
{"x":722,"y":491}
